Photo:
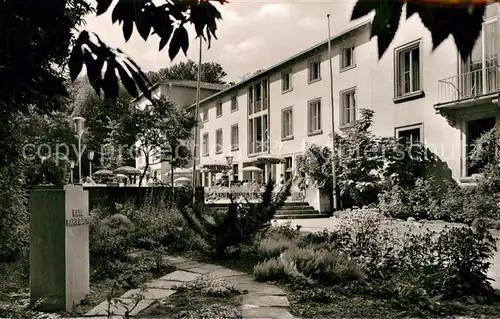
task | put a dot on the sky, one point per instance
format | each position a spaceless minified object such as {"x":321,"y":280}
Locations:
{"x":253,"y":35}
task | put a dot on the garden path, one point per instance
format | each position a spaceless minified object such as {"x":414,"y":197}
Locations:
{"x":262,"y":300}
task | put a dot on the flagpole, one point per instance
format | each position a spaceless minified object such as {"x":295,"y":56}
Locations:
{"x":197,"y":115}
{"x":334,"y":176}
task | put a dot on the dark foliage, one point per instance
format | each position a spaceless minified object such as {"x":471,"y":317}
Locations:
{"x":148,"y":18}
{"x":460,"y":19}
{"x":240,"y":224}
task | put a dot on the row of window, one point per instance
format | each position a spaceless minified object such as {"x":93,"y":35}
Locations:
{"x":411,"y":134}
{"x":258,"y":92}
{"x":408,"y":77}
{"x":235,"y":137}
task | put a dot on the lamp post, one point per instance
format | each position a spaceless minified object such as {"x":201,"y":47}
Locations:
{"x":79,"y":126}
{"x":229,"y":162}
{"x":71,"y":166}
{"x":90,"y":156}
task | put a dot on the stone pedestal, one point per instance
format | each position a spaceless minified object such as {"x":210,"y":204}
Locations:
{"x":59,"y":246}
{"x":319,"y":198}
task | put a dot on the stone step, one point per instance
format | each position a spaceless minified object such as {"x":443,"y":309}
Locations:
{"x":288,"y":205}
{"x":297,"y":212}
{"x":302,"y":207}
{"x":301,"y":216}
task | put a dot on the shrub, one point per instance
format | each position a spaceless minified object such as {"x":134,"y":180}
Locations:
{"x":367,"y":164}
{"x":269,"y":270}
{"x":310,"y":266}
{"x":159,"y":226}
{"x":447,"y":265}
{"x":14,"y":216}
{"x":284,"y":230}
{"x":241,"y":224}
{"x":210,"y":286}
{"x":414,"y":266}
{"x":111,"y":236}
{"x":273,"y":246}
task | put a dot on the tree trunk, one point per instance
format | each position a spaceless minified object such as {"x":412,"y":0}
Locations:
{"x":145,"y":171}
{"x":172,"y":183}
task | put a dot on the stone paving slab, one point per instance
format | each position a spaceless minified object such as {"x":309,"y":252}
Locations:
{"x":173,"y":260}
{"x":187,"y":264}
{"x":163,"y":284}
{"x":150,"y":293}
{"x":204,"y":267}
{"x":252,"y":299}
{"x":119,"y":308}
{"x":224,"y":272}
{"x":180,"y":275}
{"x":266,"y":313}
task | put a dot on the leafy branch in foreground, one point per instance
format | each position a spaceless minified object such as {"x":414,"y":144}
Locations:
{"x":461,"y":19}
{"x":168,"y":21}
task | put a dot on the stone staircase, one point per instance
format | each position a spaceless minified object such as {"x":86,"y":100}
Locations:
{"x":290,"y":210}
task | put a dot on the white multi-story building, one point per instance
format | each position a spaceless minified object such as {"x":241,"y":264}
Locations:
{"x":416,"y":92}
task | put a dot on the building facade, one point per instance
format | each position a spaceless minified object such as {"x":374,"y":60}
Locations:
{"x":424,"y":94}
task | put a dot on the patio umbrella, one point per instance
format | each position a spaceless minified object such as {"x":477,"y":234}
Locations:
{"x":252,"y":169}
{"x":182,"y":180}
{"x":270,"y":159}
{"x":103,"y":172}
{"x":216,"y":167}
{"x":128,"y":170}
{"x":121,"y":176}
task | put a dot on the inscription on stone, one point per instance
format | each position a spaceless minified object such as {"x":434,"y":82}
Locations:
{"x":77,"y":219}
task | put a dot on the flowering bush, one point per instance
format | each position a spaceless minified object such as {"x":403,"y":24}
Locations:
{"x":366,"y":164}
{"x":209,"y":286}
{"x":371,"y":255}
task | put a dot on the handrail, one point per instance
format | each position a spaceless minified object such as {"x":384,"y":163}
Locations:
{"x":469,"y":85}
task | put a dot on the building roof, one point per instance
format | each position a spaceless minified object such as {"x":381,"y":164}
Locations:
{"x":188,"y":84}
{"x":283,"y":63}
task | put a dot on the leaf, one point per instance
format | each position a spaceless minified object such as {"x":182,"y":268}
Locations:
{"x":103,"y":6}
{"x":465,"y":35}
{"x":180,"y":34}
{"x":163,"y":43}
{"x":128,"y":27}
{"x":110,"y":82}
{"x":75,"y":62}
{"x":128,"y":81}
{"x":385,"y":24}
{"x":144,"y":24}
{"x":363,"y":7}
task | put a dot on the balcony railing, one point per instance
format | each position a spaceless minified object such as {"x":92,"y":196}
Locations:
{"x":469,"y":85}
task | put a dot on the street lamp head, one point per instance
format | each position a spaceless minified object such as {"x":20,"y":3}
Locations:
{"x":90,"y":155}
{"x":79,"y":125}
{"x":229,"y":159}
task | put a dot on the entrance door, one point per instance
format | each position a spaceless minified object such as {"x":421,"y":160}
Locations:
{"x":475,"y":129}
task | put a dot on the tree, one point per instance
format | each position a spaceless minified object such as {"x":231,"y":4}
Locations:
{"x":103,"y":117}
{"x":161,"y":130}
{"x":112,"y":156}
{"x":211,"y":72}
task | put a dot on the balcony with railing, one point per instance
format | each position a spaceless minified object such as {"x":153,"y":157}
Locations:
{"x":469,"y":85}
